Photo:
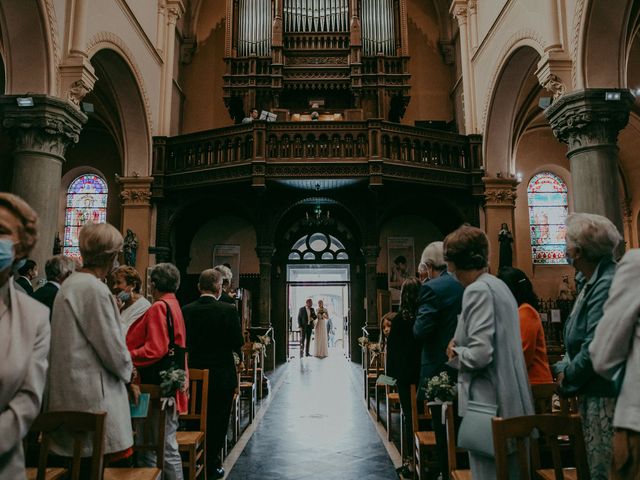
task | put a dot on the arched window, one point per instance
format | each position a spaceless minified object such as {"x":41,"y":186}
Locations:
{"x":548,"y":209}
{"x":86,"y":203}
{"x":318,"y":246}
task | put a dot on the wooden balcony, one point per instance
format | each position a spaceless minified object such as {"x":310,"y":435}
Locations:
{"x":373,"y":150}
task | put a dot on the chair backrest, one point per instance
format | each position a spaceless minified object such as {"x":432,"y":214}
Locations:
{"x":249,"y":358}
{"x":78,"y":425}
{"x":549,"y":428}
{"x":543,"y":397}
{"x":416,"y":417}
{"x":452,"y":448}
{"x":153,"y":423}
{"x":198,"y":397}
{"x":568,"y":405}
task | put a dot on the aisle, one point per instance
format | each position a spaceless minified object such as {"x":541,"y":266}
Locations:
{"x":316,"y":427}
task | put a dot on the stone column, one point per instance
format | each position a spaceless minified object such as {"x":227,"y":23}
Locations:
{"x":371,"y":253}
{"x":42,"y":134}
{"x":588,"y":121}
{"x":500,"y":202}
{"x":460,"y":11}
{"x":174,"y":10}
{"x":265,"y":255}
{"x":136,"y":215}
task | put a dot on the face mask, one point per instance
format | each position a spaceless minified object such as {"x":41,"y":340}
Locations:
{"x":124,"y":296}
{"x":6,"y":253}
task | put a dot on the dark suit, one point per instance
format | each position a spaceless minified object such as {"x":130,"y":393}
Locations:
{"x":213,"y":334}
{"x":25,"y":284}
{"x":226,"y":298}
{"x":46,"y":295}
{"x":439,"y":305}
{"x":306,"y":327}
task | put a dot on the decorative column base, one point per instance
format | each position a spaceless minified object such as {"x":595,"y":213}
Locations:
{"x":136,"y":215}
{"x":500,"y":201}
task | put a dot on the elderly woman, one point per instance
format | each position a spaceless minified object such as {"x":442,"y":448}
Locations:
{"x":148,"y":342}
{"x":591,"y":242}
{"x":90,"y":364}
{"x":227,"y":295}
{"x":486,"y":347}
{"x":24,"y":338}
{"x":126,"y":284}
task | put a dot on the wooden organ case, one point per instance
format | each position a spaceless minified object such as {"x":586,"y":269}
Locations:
{"x":342,"y":59}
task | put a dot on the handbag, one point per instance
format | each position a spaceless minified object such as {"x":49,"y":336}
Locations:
{"x":476,"y":430}
{"x":175,"y":359}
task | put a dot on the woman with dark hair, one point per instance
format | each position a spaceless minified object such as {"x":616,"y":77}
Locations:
{"x":533,"y":343}
{"x":403,"y":350}
{"x":486,"y":348}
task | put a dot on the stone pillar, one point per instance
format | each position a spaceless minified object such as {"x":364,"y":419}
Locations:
{"x":460,"y":11}
{"x":265,"y":255}
{"x":371,"y":253}
{"x":500,"y":201}
{"x":136,"y":215}
{"x":42,"y":134}
{"x":174,"y":10}
{"x":588,"y":121}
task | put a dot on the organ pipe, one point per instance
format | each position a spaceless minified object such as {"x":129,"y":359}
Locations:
{"x":378,"y":27}
{"x":307,"y":16}
{"x":254,"y":28}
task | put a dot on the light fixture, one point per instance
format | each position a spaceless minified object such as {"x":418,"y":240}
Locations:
{"x":519,"y":176}
{"x":544,"y":102}
{"x":612,"y":96}
{"x":87,"y":107}
{"x":24,"y":101}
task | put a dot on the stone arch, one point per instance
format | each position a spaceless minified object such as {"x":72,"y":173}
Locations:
{"x":30,"y":63}
{"x":510,"y":96}
{"x":130,"y":123}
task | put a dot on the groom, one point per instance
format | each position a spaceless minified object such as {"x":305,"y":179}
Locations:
{"x":306,"y":316}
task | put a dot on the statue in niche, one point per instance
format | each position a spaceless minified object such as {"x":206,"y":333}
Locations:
{"x":506,"y":239}
{"x":130,"y":248}
{"x":564,"y":291}
{"x":57,"y":245}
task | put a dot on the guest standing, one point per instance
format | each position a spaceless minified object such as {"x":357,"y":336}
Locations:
{"x":57,"y":269}
{"x":439,"y":304}
{"x":148,"y":342}
{"x":90,"y":364}
{"x":213,"y":334}
{"x":26,"y":273}
{"x":306,"y":316}
{"x":533,"y":342}
{"x":227,"y":276}
{"x":591,"y":243}
{"x":486,"y":348}
{"x":126,"y":286}
{"x":615,"y":352}
{"x":24,"y":338}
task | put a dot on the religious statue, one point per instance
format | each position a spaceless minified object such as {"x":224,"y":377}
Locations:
{"x":564,"y":291}
{"x":57,"y":245}
{"x":506,"y":239}
{"x":130,"y":248}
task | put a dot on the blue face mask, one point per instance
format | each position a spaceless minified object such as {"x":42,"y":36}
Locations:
{"x":124,"y":296}
{"x":6,"y":253}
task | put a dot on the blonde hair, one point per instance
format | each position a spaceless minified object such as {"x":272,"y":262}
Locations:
{"x":99,"y":243}
{"x":28,"y":233}
{"x":595,"y":235}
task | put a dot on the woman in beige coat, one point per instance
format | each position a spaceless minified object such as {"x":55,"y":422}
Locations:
{"x":90,"y":363}
{"x":24,"y":338}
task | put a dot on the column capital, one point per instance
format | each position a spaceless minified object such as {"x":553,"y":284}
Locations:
{"x":459,"y":9}
{"x":136,"y":190}
{"x":265,"y":253}
{"x":588,"y":118}
{"x":175,"y":9}
{"x":47,"y":127}
{"x":77,"y":78}
{"x":500,"y":192}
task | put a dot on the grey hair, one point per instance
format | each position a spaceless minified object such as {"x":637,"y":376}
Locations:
{"x":210,"y":280}
{"x":59,"y":267}
{"x":227,"y":274}
{"x":422,"y":268}
{"x":433,"y":255}
{"x":165,"y":277}
{"x":595,"y":235}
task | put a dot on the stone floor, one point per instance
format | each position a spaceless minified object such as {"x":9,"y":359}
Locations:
{"x":315,"y":427}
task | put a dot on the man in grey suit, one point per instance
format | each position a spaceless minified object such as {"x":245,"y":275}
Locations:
{"x":306,"y":316}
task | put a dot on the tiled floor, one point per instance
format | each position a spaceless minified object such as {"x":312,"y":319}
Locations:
{"x":316,"y":427}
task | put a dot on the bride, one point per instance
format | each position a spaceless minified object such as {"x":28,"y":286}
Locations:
{"x":321,"y":344}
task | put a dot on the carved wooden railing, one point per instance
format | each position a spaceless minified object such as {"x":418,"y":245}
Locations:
{"x":284,"y":143}
{"x":316,"y":41}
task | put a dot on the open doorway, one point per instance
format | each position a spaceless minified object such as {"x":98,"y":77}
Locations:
{"x":326,"y":282}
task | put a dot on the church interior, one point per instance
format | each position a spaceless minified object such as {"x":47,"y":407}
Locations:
{"x":316,"y":147}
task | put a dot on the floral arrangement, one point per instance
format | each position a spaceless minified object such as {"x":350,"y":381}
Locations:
{"x":440,"y":388}
{"x":236,"y":359}
{"x":264,"y":340}
{"x":172,"y":380}
{"x":375,"y":347}
{"x":363,"y":341}
{"x":258,"y":347}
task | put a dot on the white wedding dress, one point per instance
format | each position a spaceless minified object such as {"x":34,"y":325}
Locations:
{"x":321,"y":343}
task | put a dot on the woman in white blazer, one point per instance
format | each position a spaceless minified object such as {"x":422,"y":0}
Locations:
{"x":90,"y":363}
{"x":24,"y":338}
{"x":486,"y":347}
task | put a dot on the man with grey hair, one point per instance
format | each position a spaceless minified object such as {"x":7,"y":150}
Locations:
{"x":57,"y":269}
{"x":227,"y":276}
{"x":213,"y":335}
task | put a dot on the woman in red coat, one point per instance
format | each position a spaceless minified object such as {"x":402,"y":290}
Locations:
{"x":148,"y":343}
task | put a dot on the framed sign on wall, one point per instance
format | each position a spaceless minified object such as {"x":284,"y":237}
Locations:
{"x":401,"y":264}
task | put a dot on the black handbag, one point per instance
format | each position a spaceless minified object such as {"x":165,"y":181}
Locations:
{"x":175,"y":359}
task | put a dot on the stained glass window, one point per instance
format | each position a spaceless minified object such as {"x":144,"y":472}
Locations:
{"x":86,"y":203}
{"x":548,"y":208}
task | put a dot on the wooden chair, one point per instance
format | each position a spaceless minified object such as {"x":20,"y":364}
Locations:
{"x":424,"y":439}
{"x":375,"y":368}
{"x":149,"y":438}
{"x":78,"y":425}
{"x":249,"y":379}
{"x":192,"y":443}
{"x":379,"y":390}
{"x":260,"y":371}
{"x":452,"y":449}
{"x":549,"y":428}
{"x":393,"y":406}
{"x":543,"y":397}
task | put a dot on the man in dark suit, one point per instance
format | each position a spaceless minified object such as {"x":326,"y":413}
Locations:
{"x":57,"y":269}
{"x":213,"y":334}
{"x":306,"y":316}
{"x":26,"y":273}
{"x":439,"y":304}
